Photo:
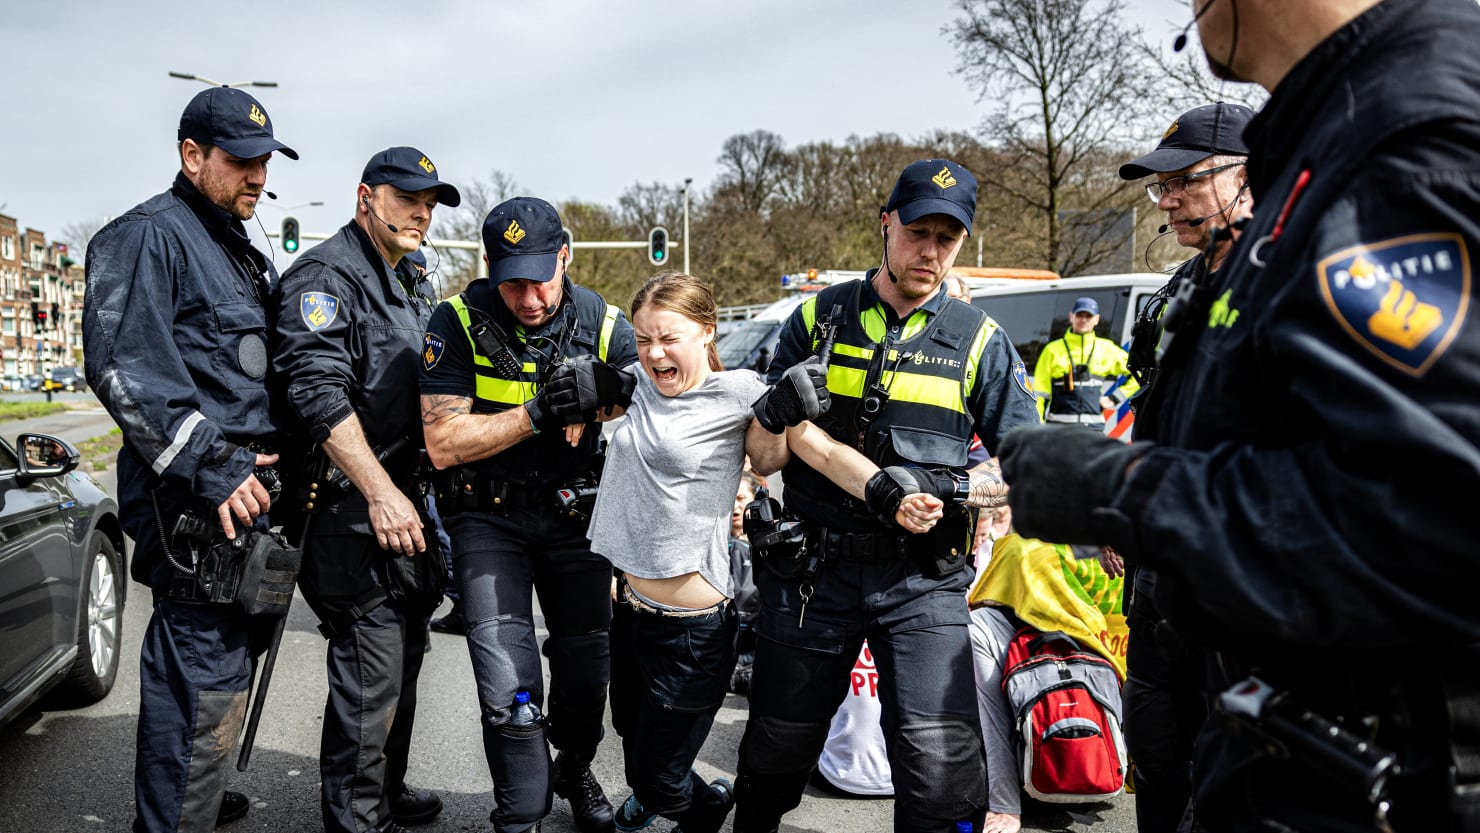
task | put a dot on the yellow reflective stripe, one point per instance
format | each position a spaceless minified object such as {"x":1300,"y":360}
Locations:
{"x":849,"y":350}
{"x":607,"y":324}
{"x":872,"y":320}
{"x":917,"y":322}
{"x":846,"y":381}
{"x":939,"y":391}
{"x":505,"y":391}
{"x":809,"y":316}
{"x":974,"y":358}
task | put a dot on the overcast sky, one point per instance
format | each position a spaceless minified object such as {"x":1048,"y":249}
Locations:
{"x":574,"y":99}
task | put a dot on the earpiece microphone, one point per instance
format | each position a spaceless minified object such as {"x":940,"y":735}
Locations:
{"x":270,"y":195}
{"x":1181,"y":42}
{"x":887,"y":268}
{"x":1194,"y":223}
{"x":365,"y":201}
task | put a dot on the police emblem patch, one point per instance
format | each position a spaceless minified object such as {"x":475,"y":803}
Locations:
{"x":1404,"y":299}
{"x":1020,"y":375}
{"x":318,"y":309}
{"x":432,"y":349}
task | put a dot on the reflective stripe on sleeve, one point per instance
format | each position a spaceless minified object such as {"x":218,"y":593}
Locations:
{"x":182,"y":439}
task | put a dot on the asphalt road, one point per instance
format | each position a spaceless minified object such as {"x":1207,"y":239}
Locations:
{"x":73,"y":770}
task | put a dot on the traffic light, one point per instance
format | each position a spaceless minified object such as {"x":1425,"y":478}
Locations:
{"x":570,"y":244}
{"x":290,"y":235}
{"x":658,"y":246}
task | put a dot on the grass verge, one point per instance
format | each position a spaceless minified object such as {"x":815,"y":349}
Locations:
{"x":29,"y":410}
{"x":99,"y":453}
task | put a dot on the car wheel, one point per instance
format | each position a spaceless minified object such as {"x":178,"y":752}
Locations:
{"x":100,"y":632}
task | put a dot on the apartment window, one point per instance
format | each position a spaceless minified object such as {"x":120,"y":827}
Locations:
{"x":7,"y":247}
{"x":7,"y":324}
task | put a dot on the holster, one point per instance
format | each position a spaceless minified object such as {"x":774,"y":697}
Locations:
{"x":255,"y":572}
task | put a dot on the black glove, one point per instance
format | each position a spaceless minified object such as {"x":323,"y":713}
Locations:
{"x":1062,"y":479}
{"x":800,"y":395}
{"x":884,"y":491}
{"x":585,"y":384}
{"x":558,"y":402}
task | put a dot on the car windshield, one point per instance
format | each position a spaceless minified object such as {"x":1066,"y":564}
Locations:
{"x":740,"y":342}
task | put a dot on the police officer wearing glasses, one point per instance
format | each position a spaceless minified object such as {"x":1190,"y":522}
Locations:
{"x":1201,"y":184}
{"x":352,"y":312}
{"x":1307,"y":502}
{"x":912,"y":375}
{"x":516,"y":371}
{"x":175,"y":335}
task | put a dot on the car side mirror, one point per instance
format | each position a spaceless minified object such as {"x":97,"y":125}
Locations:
{"x":45,"y":456}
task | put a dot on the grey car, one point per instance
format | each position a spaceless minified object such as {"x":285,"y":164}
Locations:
{"x":63,"y":578}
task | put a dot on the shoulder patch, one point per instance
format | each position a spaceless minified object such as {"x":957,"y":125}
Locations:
{"x":1404,"y":299}
{"x":1020,"y":375}
{"x":432,"y":348}
{"x":318,"y":309}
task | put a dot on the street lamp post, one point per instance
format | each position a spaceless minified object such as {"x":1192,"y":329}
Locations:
{"x":209,"y":83}
{"x":686,"y":182}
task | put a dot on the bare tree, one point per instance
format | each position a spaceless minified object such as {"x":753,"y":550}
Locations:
{"x":641,"y":207}
{"x":78,"y":234}
{"x":1069,"y":90}
{"x":1185,"y":82}
{"x":461,"y":266}
{"x":753,"y":165}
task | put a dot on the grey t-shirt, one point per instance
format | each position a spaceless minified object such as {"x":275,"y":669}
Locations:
{"x":671,"y":474}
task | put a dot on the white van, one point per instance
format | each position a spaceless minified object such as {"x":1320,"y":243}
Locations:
{"x":1032,"y":312}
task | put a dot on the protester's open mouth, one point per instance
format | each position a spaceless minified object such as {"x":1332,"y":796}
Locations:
{"x":665,"y":374}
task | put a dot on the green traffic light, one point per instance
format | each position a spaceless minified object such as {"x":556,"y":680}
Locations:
{"x":290,"y":246}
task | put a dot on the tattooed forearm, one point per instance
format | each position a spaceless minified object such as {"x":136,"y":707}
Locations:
{"x":988,"y":490}
{"x":434,"y":409}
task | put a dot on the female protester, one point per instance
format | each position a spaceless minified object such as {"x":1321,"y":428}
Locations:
{"x":662,"y":517}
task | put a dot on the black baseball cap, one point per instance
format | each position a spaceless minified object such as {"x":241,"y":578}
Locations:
{"x":410,"y":170}
{"x":1195,"y":135}
{"x":523,"y":237}
{"x":1085,"y":304}
{"x":231,"y":120}
{"x":934,"y":186}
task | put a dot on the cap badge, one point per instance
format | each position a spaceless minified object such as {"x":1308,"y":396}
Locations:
{"x":257,"y":116}
{"x":513,"y":233}
{"x":426,"y":165}
{"x":1170,"y":130}
{"x":944,"y":178}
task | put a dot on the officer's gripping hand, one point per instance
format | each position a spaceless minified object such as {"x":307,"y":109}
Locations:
{"x":588,"y":384}
{"x":558,"y":402}
{"x":889,"y":486}
{"x":800,"y":395}
{"x":1063,"y":480}
{"x":249,"y":500}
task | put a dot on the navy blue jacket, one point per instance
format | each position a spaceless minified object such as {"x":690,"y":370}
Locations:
{"x":1322,"y":405}
{"x":174,"y":337}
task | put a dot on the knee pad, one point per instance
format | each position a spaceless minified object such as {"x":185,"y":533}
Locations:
{"x":505,"y":659}
{"x":940,"y":774}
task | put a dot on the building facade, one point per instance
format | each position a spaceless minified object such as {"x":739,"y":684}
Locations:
{"x":41,"y":290}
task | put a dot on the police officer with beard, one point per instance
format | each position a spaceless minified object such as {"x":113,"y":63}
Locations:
{"x":913,"y":375}
{"x":1309,"y":496}
{"x":351,"y":315}
{"x":175,"y":336}
{"x":516,"y":371}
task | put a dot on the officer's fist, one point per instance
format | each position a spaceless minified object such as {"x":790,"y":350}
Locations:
{"x":801,"y":394}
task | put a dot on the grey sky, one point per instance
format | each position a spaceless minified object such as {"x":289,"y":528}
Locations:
{"x":575,"y":99}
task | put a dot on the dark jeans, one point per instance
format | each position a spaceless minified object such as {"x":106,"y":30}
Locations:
{"x":194,"y":671}
{"x":369,"y":716}
{"x":916,"y":628}
{"x":501,"y":562}
{"x":669,"y":678}
{"x":1164,"y":708}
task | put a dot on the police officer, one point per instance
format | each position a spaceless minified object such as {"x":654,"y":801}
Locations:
{"x":515,"y":372}
{"x":1202,"y":186}
{"x":351,"y":314}
{"x":913,"y":374}
{"x":1309,"y":493}
{"x":1079,"y":375}
{"x":175,"y":337}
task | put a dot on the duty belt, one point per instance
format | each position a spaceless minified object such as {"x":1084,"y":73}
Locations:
{"x":858,"y":547}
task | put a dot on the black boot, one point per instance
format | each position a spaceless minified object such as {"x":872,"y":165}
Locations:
{"x":233,"y":806}
{"x":575,"y":783}
{"x":411,"y":806}
{"x":708,"y":809}
{"x":453,"y":622}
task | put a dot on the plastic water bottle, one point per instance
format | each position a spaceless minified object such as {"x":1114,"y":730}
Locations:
{"x":963,"y":827}
{"x":525,"y":713}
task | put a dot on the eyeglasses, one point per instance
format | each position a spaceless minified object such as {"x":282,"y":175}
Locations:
{"x":1177,"y":185}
